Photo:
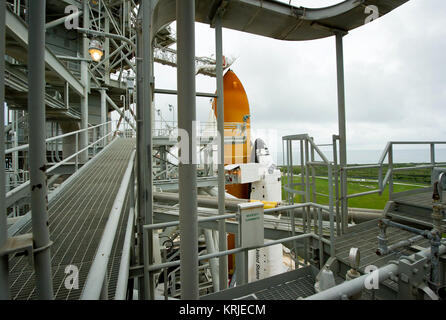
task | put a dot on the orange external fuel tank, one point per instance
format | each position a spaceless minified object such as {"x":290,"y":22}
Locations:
{"x":237,"y":124}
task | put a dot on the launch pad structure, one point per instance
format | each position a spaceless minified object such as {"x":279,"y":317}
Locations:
{"x":95,"y":208}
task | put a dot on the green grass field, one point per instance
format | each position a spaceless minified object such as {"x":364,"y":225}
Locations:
{"x":416,"y":176}
{"x":373,"y":201}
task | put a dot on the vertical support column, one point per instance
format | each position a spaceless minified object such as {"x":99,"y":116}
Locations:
{"x":140,"y":155}
{"x":107,"y":48}
{"x":85,"y":79}
{"x":185,"y":10}
{"x":103,"y":114}
{"x":222,"y":241}
{"x":37,"y":150}
{"x":4,"y":285}
{"x":147,"y":74}
{"x":336,"y":183}
{"x":342,"y":130}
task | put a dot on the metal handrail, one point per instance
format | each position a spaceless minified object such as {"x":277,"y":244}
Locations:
{"x":75,"y":155}
{"x":388,"y":152}
{"x":26,"y":146}
{"x":310,"y":163}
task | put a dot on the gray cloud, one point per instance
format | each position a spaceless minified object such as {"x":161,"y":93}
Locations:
{"x":395,"y":78}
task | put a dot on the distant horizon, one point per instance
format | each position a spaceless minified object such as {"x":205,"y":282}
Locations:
{"x":371,"y":156}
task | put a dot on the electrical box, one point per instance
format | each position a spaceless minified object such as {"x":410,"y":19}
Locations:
{"x":242,"y":173}
{"x":251,"y":228}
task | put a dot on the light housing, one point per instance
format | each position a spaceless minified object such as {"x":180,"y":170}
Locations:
{"x":96,"y":50}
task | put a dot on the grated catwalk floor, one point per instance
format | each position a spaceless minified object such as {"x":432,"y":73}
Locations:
{"x":77,"y":217}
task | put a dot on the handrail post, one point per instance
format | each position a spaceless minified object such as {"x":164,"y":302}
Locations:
{"x":390,"y":160}
{"x":94,"y":141}
{"x":336,"y":178}
{"x":432,"y":152}
{"x":76,"y":161}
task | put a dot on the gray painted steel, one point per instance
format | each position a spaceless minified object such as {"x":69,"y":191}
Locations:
{"x":19,"y":30}
{"x":185,"y":10}
{"x":37,"y":149}
{"x":147,"y":75}
{"x":222,"y":240}
{"x":351,"y":287}
{"x":341,"y":126}
{"x":280,"y":20}
{"x":4,"y":286}
{"x":85,"y":79}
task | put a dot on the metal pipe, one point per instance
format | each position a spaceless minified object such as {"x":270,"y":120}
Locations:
{"x":123,"y":277}
{"x":222,"y":240}
{"x":351,"y":287}
{"x":59,"y":21}
{"x":105,"y":35}
{"x":234,"y":251}
{"x":96,"y":275}
{"x":70,"y":58}
{"x":389,"y":223}
{"x":185,"y":12}
{"x":198,"y":94}
{"x":341,"y":124}
{"x":175,"y":223}
{"x":400,"y":244}
{"x":202,"y":201}
{"x":37,"y":150}
{"x":360,"y":194}
{"x":4,"y":284}
{"x":85,"y":79}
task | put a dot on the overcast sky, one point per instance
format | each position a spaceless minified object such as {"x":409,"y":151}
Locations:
{"x":395,"y":78}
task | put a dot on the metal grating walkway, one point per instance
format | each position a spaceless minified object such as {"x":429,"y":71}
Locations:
{"x":77,"y":217}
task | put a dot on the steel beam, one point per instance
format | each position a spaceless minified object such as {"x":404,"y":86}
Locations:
{"x":18,"y":29}
{"x":4,"y":285}
{"x":37,"y":149}
{"x":147,"y":74}
{"x":342,"y":130}
{"x":185,"y":12}
{"x":140,"y":155}
{"x":222,"y":241}
{"x":85,"y":78}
